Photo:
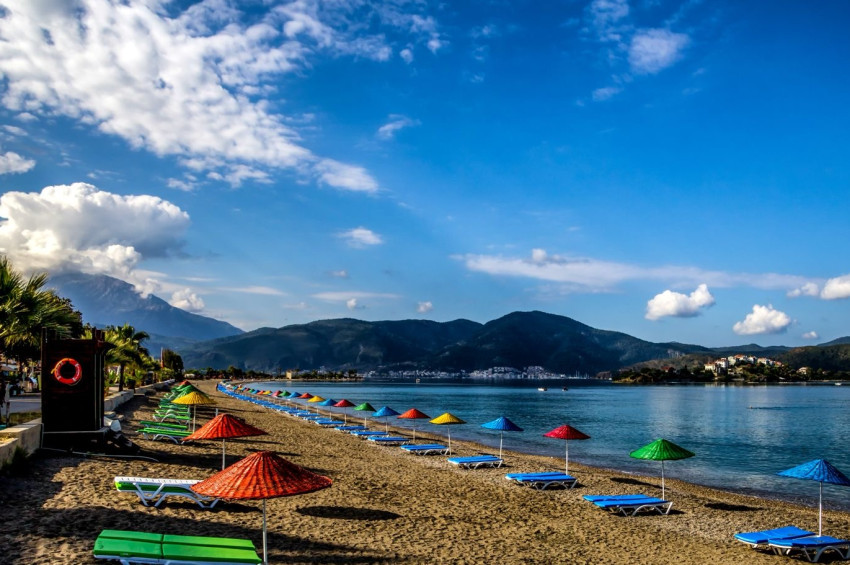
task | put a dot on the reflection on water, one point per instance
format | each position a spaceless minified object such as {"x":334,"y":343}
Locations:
{"x":742,"y":435}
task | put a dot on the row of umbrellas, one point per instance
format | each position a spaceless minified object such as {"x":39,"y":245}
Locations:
{"x":662,"y":450}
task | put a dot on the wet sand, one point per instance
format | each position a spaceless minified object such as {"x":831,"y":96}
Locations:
{"x":385,"y":506}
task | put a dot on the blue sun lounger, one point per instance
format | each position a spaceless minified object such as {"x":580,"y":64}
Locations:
{"x":542,"y":481}
{"x":632,"y":505}
{"x":811,"y":547}
{"x":366,"y":433}
{"x":476,"y":461}
{"x":389,"y":440}
{"x":351,"y":428}
{"x":756,"y":539}
{"x":426,"y":449}
{"x":326,"y":423}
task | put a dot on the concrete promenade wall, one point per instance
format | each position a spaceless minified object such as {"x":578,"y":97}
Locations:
{"x":27,"y":436}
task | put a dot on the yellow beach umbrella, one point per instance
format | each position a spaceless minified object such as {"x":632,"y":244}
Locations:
{"x":447,"y":419}
{"x":194,"y":398}
{"x":316,"y":399}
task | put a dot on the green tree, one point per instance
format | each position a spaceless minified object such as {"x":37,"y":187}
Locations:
{"x":172,"y":360}
{"x":127,"y":350}
{"x":27,"y":308}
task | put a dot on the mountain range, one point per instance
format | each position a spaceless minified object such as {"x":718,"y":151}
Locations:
{"x":520,"y":339}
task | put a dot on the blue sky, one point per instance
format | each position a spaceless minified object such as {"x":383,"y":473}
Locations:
{"x":674,"y":170}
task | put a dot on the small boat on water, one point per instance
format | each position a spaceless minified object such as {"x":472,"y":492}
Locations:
{"x":564,"y":388}
{"x":542,"y":388}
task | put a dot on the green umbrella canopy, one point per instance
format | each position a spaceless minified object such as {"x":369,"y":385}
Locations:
{"x":661,"y":450}
{"x":365,"y":407}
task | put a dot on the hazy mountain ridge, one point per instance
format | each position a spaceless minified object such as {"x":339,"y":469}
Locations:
{"x":105,"y":300}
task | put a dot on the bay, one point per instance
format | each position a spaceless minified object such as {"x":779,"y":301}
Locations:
{"x":742,"y":435}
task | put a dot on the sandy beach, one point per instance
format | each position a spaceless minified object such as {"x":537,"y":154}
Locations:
{"x":385,"y":506}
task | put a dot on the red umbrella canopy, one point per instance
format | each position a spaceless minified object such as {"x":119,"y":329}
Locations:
{"x":414,"y":414}
{"x":261,"y":475}
{"x":344,"y":404}
{"x":566,"y":432}
{"x":306,"y":395}
{"x":225,"y":426}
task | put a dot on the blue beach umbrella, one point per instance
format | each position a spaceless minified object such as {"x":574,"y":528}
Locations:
{"x":822,"y":471}
{"x":502,"y":425}
{"x":385,"y":412}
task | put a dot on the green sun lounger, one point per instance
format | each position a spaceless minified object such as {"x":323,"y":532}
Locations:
{"x":164,"y":433}
{"x":129,"y":547}
{"x":155,"y":424}
{"x":157,"y":490}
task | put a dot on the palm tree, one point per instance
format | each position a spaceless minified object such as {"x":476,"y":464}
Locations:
{"x":27,"y":308}
{"x":127,"y":350}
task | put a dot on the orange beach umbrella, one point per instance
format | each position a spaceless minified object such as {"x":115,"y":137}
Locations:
{"x":223,"y":427}
{"x":260,"y":476}
{"x":414,"y":414}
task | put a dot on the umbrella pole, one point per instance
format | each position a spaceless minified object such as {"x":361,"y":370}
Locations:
{"x":567,"y":457}
{"x":662,"y":480}
{"x":820,"y":510}
{"x":222,"y":454}
{"x":450,"y":440}
{"x":501,"y":437}
{"x":265,"y":540}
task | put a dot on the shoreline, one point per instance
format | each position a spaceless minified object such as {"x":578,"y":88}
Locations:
{"x":385,"y":506}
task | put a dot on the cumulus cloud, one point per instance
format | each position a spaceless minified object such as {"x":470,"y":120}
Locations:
{"x":605,"y":93}
{"x":78,"y":227}
{"x":763,"y":320}
{"x":187,"y":300}
{"x":807,"y":289}
{"x":406,"y":55}
{"x":395,"y":124}
{"x":192,"y":82}
{"x":361,"y":237}
{"x":11,"y":162}
{"x":424,"y":307}
{"x":835,"y":288}
{"x":653,"y":50}
{"x":811,"y":335}
{"x":352,"y":304}
{"x":586,"y":274}
{"x":679,"y":305}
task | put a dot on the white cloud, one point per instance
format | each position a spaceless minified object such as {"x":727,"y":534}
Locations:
{"x":653,"y":50}
{"x":584,"y":274}
{"x":811,"y":335}
{"x":349,"y":177}
{"x":361,"y":237}
{"x":80,"y":228}
{"x":190,"y":82}
{"x":341,"y":274}
{"x":345,"y":296}
{"x":605,"y":93}
{"x":763,"y":320}
{"x":607,"y":17}
{"x":406,"y":55}
{"x":352,"y":304}
{"x":395,"y":124}
{"x":260,"y":290}
{"x":807,"y":289}
{"x":424,"y":307}
{"x":187,"y":300}
{"x":11,"y":162}
{"x":835,"y":288}
{"x":679,"y":305}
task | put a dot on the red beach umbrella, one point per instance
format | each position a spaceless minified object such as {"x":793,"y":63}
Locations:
{"x":306,"y":395}
{"x":225,"y":426}
{"x":260,"y":476}
{"x":344,"y":404}
{"x":566,"y":433}
{"x":414,"y":414}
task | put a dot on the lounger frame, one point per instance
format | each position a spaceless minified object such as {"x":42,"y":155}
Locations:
{"x":160,"y":489}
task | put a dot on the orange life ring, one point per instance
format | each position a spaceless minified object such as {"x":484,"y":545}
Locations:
{"x":78,"y":371}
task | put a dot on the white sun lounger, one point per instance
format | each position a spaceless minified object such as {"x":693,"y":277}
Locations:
{"x":157,"y":490}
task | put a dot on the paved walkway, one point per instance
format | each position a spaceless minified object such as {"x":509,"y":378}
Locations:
{"x":27,"y":402}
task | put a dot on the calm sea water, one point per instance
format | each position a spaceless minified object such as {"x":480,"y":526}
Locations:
{"x":742,"y":435}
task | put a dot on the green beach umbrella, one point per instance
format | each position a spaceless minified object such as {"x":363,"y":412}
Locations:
{"x":661,"y":450}
{"x":365,"y":407}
